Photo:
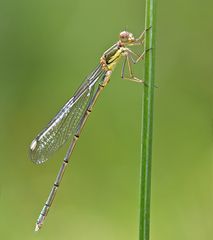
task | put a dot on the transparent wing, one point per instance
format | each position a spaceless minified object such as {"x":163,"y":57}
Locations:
{"x":64,"y":125}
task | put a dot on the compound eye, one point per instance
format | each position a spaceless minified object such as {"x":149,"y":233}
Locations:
{"x":124,"y":36}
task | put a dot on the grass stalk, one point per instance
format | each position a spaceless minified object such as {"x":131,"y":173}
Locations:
{"x":147,"y":123}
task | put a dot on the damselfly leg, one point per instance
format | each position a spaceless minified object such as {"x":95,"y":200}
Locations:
{"x":128,"y":58}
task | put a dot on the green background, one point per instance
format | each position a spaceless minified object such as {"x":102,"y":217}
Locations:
{"x":46,"y":50}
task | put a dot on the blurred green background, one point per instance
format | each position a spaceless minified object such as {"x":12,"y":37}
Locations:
{"x":46,"y":50}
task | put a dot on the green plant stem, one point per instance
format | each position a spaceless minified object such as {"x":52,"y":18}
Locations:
{"x":148,"y":98}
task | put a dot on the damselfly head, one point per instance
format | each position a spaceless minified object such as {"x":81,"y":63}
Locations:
{"x":126,"y":37}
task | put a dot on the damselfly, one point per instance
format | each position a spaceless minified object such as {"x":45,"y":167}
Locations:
{"x":69,"y":121}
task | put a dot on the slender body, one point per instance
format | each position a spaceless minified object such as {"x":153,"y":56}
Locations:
{"x":69,"y":121}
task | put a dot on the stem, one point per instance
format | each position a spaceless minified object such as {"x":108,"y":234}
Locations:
{"x":148,"y":98}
